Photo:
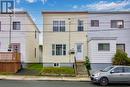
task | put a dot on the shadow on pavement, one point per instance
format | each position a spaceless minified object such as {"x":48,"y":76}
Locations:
{"x":27,"y":72}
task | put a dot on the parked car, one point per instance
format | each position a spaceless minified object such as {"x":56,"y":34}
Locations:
{"x":112,"y":74}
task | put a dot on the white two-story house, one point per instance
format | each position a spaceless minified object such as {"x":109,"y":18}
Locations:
{"x":20,"y":32}
{"x":64,"y":33}
{"x":107,"y":31}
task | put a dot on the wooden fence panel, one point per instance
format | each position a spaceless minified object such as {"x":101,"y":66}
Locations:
{"x":10,"y":62}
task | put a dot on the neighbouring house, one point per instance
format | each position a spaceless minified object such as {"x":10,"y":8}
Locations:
{"x":64,"y":38}
{"x":23,"y":36}
{"x":107,"y":31}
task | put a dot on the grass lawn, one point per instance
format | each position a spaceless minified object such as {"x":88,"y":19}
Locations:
{"x":6,"y":73}
{"x":38,"y":67}
{"x":58,"y":71}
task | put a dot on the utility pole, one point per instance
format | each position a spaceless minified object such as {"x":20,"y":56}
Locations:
{"x":10,"y":47}
{"x":69,"y":37}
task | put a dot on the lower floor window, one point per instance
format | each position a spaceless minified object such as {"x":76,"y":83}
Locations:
{"x":120,"y":47}
{"x":58,"y":49}
{"x":103,"y":47}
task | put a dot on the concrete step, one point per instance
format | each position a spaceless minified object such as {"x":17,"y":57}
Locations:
{"x":81,"y":69}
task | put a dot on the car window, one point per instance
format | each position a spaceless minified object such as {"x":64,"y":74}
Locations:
{"x":107,"y":69}
{"x":118,"y":70}
{"x":127,"y":69}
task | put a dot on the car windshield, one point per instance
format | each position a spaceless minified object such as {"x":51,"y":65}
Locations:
{"x":107,"y":69}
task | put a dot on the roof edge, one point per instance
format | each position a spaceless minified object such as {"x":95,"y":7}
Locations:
{"x":89,"y":12}
{"x":102,"y":38}
{"x":108,"y":12}
{"x":61,"y":12}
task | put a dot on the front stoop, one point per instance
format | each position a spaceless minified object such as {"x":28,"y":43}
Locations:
{"x":81,"y":69}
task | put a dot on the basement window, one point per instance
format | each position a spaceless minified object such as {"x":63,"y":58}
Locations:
{"x":56,"y":65}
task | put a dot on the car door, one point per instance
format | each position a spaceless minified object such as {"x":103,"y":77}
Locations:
{"x":116,"y":75}
{"x":127,"y":74}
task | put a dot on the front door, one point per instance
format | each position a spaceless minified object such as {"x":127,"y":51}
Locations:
{"x":79,"y":51}
{"x":15,"y":47}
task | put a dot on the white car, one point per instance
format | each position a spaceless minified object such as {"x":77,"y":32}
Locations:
{"x":112,"y":74}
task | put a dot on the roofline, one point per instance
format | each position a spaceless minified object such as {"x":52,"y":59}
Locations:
{"x":64,"y":12}
{"x":17,"y":12}
{"x":32,"y":22}
{"x":89,"y":12}
{"x":109,"y":12}
{"x":102,"y":38}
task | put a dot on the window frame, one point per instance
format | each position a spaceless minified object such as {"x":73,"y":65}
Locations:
{"x":99,"y":44}
{"x":116,"y":22}
{"x":121,"y":44}
{"x":93,"y":24}
{"x":35,"y":34}
{"x":15,"y":25}
{"x":80,"y":25}
{"x":56,"y":52}
{"x":58,"y":26}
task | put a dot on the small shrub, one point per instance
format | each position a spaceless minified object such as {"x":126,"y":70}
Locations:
{"x":87,"y":64}
{"x":120,"y":58}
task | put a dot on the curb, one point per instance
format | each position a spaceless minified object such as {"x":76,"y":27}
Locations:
{"x":38,"y":78}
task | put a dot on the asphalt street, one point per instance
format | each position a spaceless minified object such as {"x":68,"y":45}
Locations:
{"x":10,"y":83}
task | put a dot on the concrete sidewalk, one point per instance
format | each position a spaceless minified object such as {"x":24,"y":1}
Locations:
{"x":44,"y":78}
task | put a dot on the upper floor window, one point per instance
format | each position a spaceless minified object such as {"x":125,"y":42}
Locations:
{"x":35,"y":34}
{"x":94,"y":23}
{"x":117,"y":24}
{"x":16,"y":25}
{"x":58,"y":26}
{"x":80,"y":25}
{"x":103,"y":47}
{"x":58,"y":49}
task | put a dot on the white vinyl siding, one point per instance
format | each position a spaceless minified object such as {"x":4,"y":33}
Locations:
{"x":101,"y":56}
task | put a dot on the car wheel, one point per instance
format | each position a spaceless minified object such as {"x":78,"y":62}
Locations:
{"x":103,"y":81}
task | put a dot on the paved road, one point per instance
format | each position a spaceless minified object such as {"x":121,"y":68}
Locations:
{"x":7,"y":83}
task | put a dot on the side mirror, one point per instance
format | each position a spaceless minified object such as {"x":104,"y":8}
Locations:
{"x":112,"y":71}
